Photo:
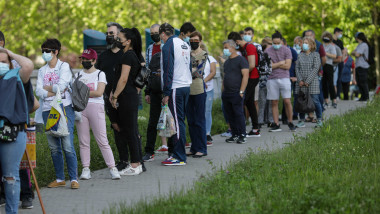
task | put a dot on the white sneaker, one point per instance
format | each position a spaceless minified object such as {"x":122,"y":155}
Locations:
{"x":122,"y":172}
{"x":114,"y":173}
{"x":133,"y":171}
{"x":86,"y":174}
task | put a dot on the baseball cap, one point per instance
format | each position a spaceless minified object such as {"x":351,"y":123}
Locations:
{"x":89,"y":54}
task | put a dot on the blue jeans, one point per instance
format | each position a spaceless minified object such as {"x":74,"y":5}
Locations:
{"x":177,"y":105}
{"x":197,"y":123}
{"x":320,"y":97}
{"x":318,"y":107}
{"x":56,"y":144}
{"x":10,"y":158}
{"x":209,"y":101}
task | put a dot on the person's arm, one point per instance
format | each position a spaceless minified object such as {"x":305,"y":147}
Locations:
{"x":277,"y":64}
{"x":212,"y":72}
{"x":251,"y":62}
{"x":298,"y":73}
{"x":244,"y":81}
{"x":323,"y":60}
{"x":287,"y":65}
{"x":99,"y":90}
{"x":25,"y":64}
{"x":168,"y":69}
{"x":338,"y":59}
{"x":65,"y":77}
{"x":314,"y":70}
{"x":36,"y":105}
{"x":125,"y":69}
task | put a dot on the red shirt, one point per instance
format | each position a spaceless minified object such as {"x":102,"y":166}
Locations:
{"x":251,"y":50}
{"x":156,"y":49}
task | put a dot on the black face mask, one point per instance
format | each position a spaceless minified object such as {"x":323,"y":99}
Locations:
{"x":119,"y":45}
{"x":326,"y":40}
{"x":110,"y":39}
{"x":194,"y":45}
{"x":155,"y":37}
{"x":87,"y":64}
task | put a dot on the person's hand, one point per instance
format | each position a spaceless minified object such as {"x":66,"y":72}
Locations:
{"x":206,"y":86}
{"x":147,"y":99}
{"x":222,"y":60}
{"x":306,"y":84}
{"x":110,"y":97}
{"x":354,"y":82}
{"x":116,"y":127}
{"x":165,"y":100}
{"x":114,"y":103}
{"x":293,"y":79}
{"x":241,"y":95}
{"x":282,"y":62}
{"x":301,"y":83}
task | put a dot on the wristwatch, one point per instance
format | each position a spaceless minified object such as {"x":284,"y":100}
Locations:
{"x":114,"y":98}
{"x":241,"y":92}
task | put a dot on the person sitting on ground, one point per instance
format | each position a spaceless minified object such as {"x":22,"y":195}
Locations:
{"x":235,"y":81}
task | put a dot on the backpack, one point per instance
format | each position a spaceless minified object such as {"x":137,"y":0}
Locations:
{"x":142,"y":76}
{"x":264,"y":66}
{"x":80,"y":93}
{"x":371,"y":55}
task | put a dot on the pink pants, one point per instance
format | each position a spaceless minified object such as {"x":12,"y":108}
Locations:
{"x":94,"y":117}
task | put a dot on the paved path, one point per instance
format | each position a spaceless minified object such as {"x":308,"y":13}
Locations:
{"x":100,"y":192}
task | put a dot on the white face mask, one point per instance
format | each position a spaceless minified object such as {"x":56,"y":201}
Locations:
{"x":47,"y":57}
{"x":4,"y":68}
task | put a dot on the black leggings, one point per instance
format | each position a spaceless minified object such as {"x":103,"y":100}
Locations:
{"x":127,"y":113}
{"x":250,"y":101}
{"x":328,"y":82}
{"x":345,"y":89}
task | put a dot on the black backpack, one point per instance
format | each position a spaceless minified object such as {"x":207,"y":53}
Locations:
{"x":371,"y":55}
{"x":264,"y":65}
{"x":154,"y":81}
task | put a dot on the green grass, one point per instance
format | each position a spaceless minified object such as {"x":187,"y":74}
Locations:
{"x":45,"y":171}
{"x":333,"y":170}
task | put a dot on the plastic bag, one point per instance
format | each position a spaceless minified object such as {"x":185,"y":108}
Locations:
{"x":162,"y":120}
{"x":56,"y":124}
{"x":170,"y":127}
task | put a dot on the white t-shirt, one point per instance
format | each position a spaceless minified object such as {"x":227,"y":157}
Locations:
{"x":210,"y":84}
{"x":92,"y":80}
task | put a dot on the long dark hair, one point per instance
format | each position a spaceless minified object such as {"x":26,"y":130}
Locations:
{"x":363,"y":38}
{"x":134,"y":35}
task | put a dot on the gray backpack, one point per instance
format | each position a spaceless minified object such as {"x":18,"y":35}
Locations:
{"x":80,"y":94}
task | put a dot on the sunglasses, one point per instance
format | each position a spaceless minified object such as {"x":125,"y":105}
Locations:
{"x":47,"y":50}
{"x":109,"y":33}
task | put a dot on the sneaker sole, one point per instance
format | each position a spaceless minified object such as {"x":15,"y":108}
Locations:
{"x":117,"y":178}
{"x":174,"y":164}
{"x":277,"y":130}
{"x":84,"y":178}
{"x":209,"y":145}
{"x":30,"y":207}
{"x":150,"y":160}
{"x":254,"y":135}
{"x":301,"y":126}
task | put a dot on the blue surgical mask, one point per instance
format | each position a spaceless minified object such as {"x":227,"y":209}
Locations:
{"x":237,"y":47}
{"x":186,"y":39}
{"x":297,"y":48}
{"x":247,"y":38}
{"x":276,"y":47}
{"x":47,"y":57}
{"x":340,"y":36}
{"x":305,"y":47}
{"x":4,"y":68}
{"x":226,"y":52}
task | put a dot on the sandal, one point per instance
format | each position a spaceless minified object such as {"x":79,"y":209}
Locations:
{"x":310,"y":119}
{"x":199,"y":156}
{"x":189,"y":153}
{"x":314,"y":120}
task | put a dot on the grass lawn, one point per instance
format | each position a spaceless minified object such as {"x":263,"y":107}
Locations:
{"x":45,"y":171}
{"x":333,"y":170}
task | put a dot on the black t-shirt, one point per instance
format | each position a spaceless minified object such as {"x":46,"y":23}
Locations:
{"x":128,"y":58}
{"x":232,"y":74}
{"x":339,"y":43}
{"x":106,"y":62}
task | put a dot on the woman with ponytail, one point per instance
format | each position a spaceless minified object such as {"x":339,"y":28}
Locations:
{"x":125,"y":96}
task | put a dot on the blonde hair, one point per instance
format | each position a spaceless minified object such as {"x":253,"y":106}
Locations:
{"x":311,"y":42}
{"x":266,"y":41}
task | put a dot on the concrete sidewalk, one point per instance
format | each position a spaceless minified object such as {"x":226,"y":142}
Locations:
{"x":99,"y":193}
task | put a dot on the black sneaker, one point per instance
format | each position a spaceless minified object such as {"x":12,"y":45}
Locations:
{"x":292,"y":127}
{"x":270,"y":125}
{"x":241,"y":139}
{"x":285,"y":122}
{"x":254,"y":134}
{"x":143,"y":167}
{"x":209,"y":138}
{"x":275,"y":128}
{"x":148,"y":157}
{"x":232,"y":139}
{"x":121,"y":165}
{"x":334,"y":105}
{"x":27,"y":203}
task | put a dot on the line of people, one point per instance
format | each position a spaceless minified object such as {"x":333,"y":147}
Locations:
{"x":182,"y":71}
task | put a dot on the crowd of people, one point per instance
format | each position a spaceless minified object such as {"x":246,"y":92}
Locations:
{"x":255,"y":76}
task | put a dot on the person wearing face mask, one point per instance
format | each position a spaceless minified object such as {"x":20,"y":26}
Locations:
{"x":328,"y":70}
{"x":106,"y":62}
{"x":153,"y":94}
{"x":348,"y":70}
{"x":186,"y":29}
{"x":278,"y":81}
{"x":307,"y":68}
{"x":197,"y":99}
{"x":338,"y":34}
{"x":297,"y":44}
{"x":93,"y":116}
{"x":56,"y":75}
{"x":249,"y":52}
{"x":17,"y":90}
{"x":125,"y":98}
{"x":176,"y":79}
{"x":235,"y":81}
{"x":361,"y":53}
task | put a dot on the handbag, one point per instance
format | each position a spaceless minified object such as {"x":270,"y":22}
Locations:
{"x":142,"y":76}
{"x":304,"y":103}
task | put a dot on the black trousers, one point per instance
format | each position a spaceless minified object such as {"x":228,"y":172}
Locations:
{"x":154,"y":115}
{"x":328,"y":82}
{"x":362,"y":81}
{"x":345,"y":89}
{"x":233,"y":104}
{"x":26,"y":188}
{"x":339,"y":84}
{"x":127,"y":114}
{"x":119,"y":140}
{"x":249,"y":101}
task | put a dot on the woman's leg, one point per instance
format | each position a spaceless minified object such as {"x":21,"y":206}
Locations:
{"x":83,"y":129}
